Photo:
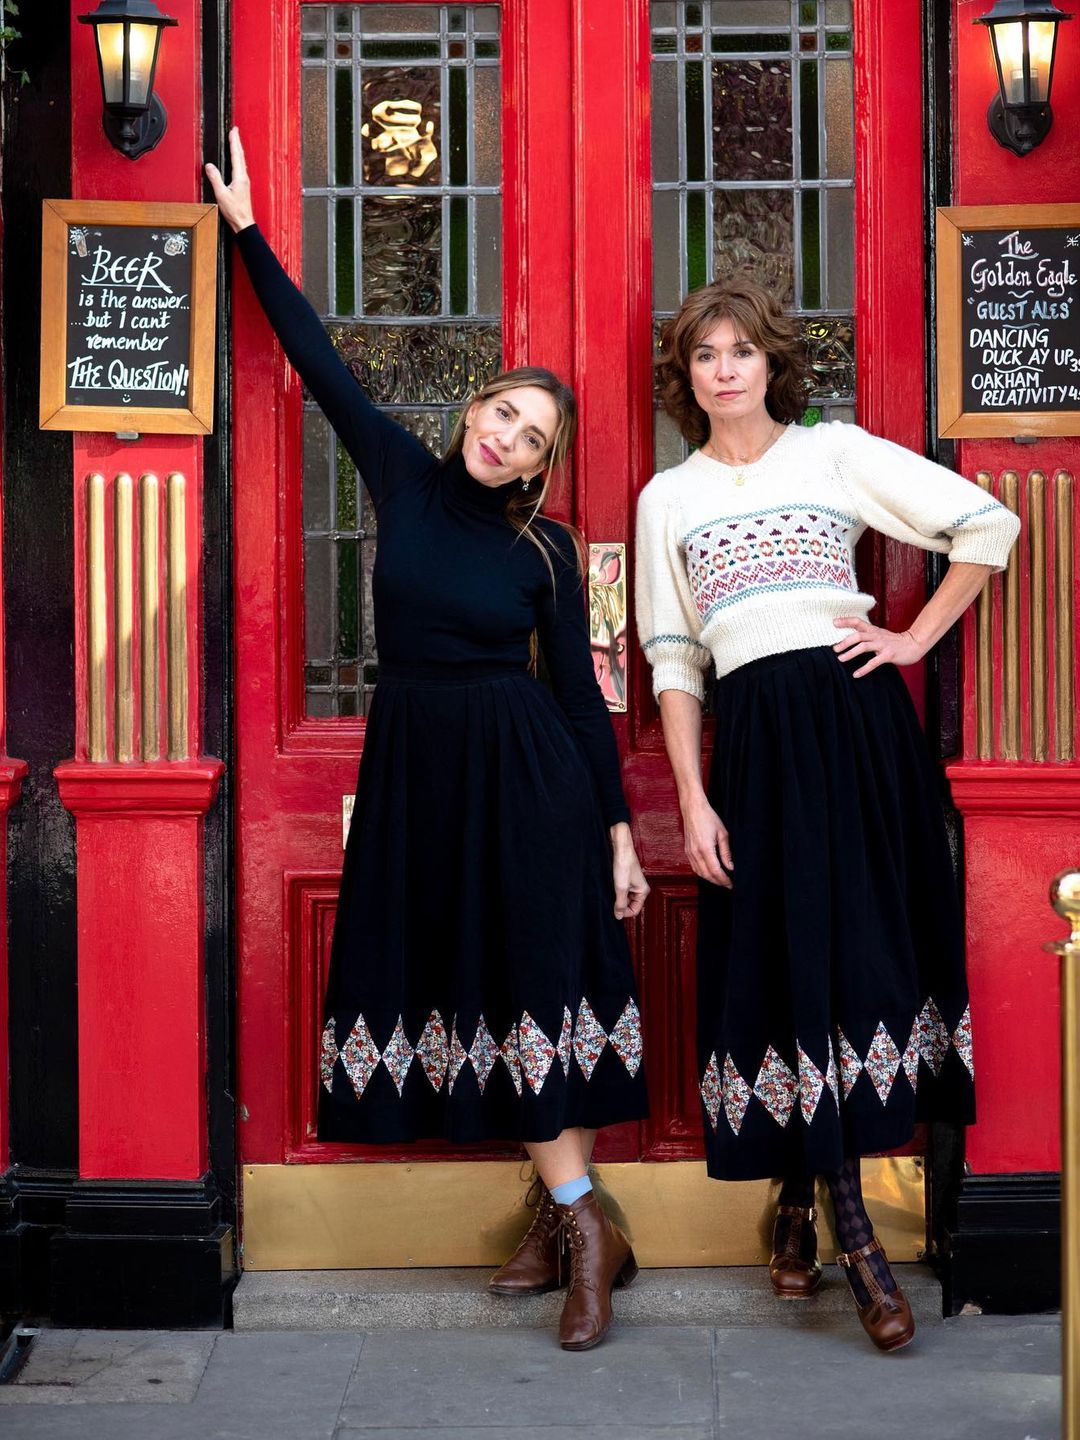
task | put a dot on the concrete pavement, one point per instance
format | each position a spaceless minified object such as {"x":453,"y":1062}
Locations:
{"x":991,"y":1378}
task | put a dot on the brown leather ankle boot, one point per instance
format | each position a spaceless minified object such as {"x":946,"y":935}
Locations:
{"x":600,"y":1259}
{"x":887,"y":1319}
{"x":795,"y":1270}
{"x":536,"y":1265}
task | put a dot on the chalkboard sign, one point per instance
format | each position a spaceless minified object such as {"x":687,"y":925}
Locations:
{"x":127,"y":311}
{"x":1009,"y":320}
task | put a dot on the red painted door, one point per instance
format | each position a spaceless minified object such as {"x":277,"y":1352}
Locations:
{"x":469,"y":185}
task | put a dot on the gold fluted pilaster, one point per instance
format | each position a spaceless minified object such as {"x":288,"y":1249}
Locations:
{"x":149,"y":615}
{"x":97,"y":620}
{"x":1065,"y":898}
{"x":1064,"y":656}
{"x":1037,"y":657}
{"x":1010,"y":637}
{"x":176,"y":610}
{"x":123,"y":615}
{"x":984,"y":656}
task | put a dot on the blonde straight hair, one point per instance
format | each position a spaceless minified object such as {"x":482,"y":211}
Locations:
{"x":524,"y":506}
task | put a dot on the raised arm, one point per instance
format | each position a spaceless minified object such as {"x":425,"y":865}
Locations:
{"x":381,"y":449}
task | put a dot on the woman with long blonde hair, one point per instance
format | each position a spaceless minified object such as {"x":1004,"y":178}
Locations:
{"x":480,"y":983}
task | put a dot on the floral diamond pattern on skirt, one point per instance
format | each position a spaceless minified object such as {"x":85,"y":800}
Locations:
{"x":625,"y":1039}
{"x":775,"y":1087}
{"x":933,"y":1036}
{"x":536,"y":1052}
{"x":483,"y":1052}
{"x":710,"y":1090}
{"x":736,"y":1094}
{"x":590,"y":1037}
{"x":962,"y":1040}
{"x":328,"y":1054}
{"x":811,"y":1084}
{"x":398,"y":1056}
{"x":882,"y":1062}
{"x":509,"y":1052}
{"x":850,"y":1064}
{"x":458,"y":1056}
{"x":433,"y":1050}
{"x":565,"y":1044}
{"x":910,"y":1057}
{"x":360,"y":1055}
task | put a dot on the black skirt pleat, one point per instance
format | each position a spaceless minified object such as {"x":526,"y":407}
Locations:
{"x":833,"y":1007}
{"x":480,"y":986}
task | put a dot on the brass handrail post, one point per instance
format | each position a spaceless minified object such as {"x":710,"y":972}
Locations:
{"x":1065,"y":898}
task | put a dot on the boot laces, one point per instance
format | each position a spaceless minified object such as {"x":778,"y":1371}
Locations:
{"x":579,"y":1265}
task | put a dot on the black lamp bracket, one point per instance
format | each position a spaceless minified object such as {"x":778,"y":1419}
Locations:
{"x":134,"y":137}
{"x":1019,"y":130}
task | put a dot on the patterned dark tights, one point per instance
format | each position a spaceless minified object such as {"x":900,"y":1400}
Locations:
{"x":854,"y":1228}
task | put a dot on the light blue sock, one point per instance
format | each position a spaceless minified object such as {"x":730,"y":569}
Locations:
{"x":571,"y":1190}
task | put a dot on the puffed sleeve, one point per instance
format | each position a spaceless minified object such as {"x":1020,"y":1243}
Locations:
{"x":564,"y":639}
{"x":384,"y":453}
{"x":669,"y":627}
{"x":910,"y":498}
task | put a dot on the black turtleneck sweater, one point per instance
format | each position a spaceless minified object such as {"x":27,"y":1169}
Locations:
{"x":453,"y":582}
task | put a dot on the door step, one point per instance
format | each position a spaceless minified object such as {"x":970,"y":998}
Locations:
{"x":458,"y":1299}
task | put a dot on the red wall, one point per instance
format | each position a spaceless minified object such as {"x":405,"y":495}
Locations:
{"x":1017,"y":835}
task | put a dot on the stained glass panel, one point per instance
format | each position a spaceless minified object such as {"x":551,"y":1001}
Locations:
{"x":401,"y":170}
{"x":773,"y":190}
{"x":751,"y":120}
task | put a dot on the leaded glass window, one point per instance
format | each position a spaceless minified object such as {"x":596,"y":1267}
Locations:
{"x":402,"y":223}
{"x":753,"y":146}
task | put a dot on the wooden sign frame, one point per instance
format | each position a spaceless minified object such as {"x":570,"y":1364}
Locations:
{"x":55,"y":413}
{"x":953,"y":421}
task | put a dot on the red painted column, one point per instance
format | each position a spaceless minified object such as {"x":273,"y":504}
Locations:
{"x":1021,"y":815}
{"x":139,"y":808}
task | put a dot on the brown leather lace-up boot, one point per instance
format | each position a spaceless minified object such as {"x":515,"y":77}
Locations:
{"x":536,"y":1265}
{"x":600,"y":1259}
{"x":795,"y":1270}
{"x":887,"y":1319}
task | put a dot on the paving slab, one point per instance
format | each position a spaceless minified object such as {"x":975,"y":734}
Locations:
{"x":659,"y":1377}
{"x":81,"y":1367}
{"x":969,"y":1378}
{"x":254,"y":1387}
{"x":373,"y":1300}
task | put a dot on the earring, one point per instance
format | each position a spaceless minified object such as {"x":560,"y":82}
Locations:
{"x":525,"y":484}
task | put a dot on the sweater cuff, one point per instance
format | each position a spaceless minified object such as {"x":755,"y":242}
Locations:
{"x":987,"y":544}
{"x":677,"y":675}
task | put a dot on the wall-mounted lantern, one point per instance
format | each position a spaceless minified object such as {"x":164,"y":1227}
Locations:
{"x":1024,"y":40}
{"x":128,"y":34}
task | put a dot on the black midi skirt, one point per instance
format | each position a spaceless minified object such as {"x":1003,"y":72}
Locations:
{"x":480,"y":987}
{"x":832,"y":1001}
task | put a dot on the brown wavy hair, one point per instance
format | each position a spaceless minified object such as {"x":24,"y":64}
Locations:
{"x":757,"y":316}
{"x":524,"y":506}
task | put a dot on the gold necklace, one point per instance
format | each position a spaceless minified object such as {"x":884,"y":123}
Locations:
{"x":738,"y":467}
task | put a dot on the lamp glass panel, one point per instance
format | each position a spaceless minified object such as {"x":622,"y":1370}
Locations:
{"x":110,"y":43}
{"x":142,"y":51}
{"x":1041,"y":34}
{"x":1008,"y":38}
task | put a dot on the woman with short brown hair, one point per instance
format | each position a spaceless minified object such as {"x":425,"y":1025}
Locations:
{"x":832,"y":1002}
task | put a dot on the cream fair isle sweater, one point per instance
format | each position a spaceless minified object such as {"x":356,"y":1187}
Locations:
{"x":731,"y":573}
